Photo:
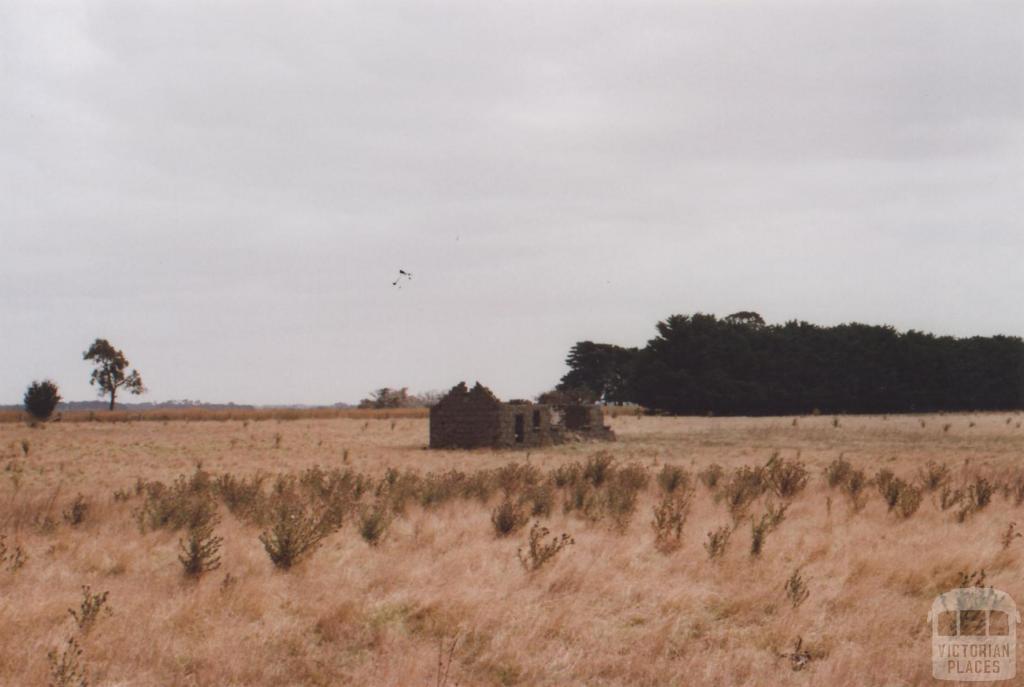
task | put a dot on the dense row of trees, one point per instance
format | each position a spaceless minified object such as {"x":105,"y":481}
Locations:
{"x":738,"y":365}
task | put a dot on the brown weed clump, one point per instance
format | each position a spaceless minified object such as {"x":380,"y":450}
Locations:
{"x":75,"y":514}
{"x":669,"y":518}
{"x":12,"y":559}
{"x":759,"y":529}
{"x":508,"y":517}
{"x":538,"y":553}
{"x":796,"y":589}
{"x":711,"y":476}
{"x":89,"y":609}
{"x":744,"y":485}
{"x":718,"y":540}
{"x":840,"y":474}
{"x":66,"y":667}
{"x":786,"y":478}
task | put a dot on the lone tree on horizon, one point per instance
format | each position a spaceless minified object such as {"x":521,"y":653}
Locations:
{"x":109,"y":375}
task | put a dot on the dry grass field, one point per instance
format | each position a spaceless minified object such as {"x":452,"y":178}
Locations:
{"x":438,"y":598}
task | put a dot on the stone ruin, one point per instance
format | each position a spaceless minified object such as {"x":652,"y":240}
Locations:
{"x":476,"y":418}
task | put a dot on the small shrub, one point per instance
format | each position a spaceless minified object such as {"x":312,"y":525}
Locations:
{"x":711,"y":476}
{"x":508,"y":517}
{"x":228,"y":583}
{"x":909,"y":501}
{"x":89,"y":609}
{"x":854,"y":487}
{"x":933,"y":476}
{"x":890,"y":487}
{"x":374,"y":523}
{"x":513,"y":478}
{"x":618,"y":500}
{"x":41,"y":399}
{"x":13,"y":559}
{"x":975,"y":499}
{"x":76,"y":512}
{"x":1010,"y":534}
{"x":744,"y":485}
{"x":176,"y":506}
{"x":669,"y":518}
{"x":598,"y":468}
{"x":296,"y":529}
{"x":981,"y":492}
{"x":199,"y":551}
{"x":66,"y":669}
{"x":581,"y":497}
{"x":672,"y":478}
{"x":242,"y":496}
{"x":968,"y":580}
{"x":884,"y":482}
{"x":796,"y":589}
{"x":1014,"y":489}
{"x":786,"y":478}
{"x":717,"y":542}
{"x":567,"y":475}
{"x":838,"y":472}
{"x":950,"y":497}
{"x":538,"y":553}
{"x":541,"y":499}
{"x":632,"y":476}
{"x":801,"y":656}
{"x":759,"y":529}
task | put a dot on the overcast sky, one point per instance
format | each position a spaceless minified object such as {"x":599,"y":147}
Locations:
{"x":227,"y":190}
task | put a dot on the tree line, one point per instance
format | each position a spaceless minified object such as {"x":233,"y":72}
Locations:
{"x":738,"y":365}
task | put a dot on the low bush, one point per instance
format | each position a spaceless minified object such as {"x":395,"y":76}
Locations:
{"x":669,"y":518}
{"x":538,"y":552}
{"x":374,"y":522}
{"x":199,"y":551}
{"x":508,"y":517}
{"x":296,"y":528}
{"x":718,"y":541}
{"x":786,"y":478}
{"x":89,"y":609}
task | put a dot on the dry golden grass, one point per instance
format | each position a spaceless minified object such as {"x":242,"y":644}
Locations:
{"x":609,"y":610}
{"x":222,"y":414}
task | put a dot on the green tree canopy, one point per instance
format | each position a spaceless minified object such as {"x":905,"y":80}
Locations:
{"x":111,"y":371}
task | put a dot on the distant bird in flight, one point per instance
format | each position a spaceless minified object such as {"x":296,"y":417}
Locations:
{"x":402,"y":274}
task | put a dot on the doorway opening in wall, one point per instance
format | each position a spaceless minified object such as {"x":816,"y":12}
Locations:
{"x":520,"y":428}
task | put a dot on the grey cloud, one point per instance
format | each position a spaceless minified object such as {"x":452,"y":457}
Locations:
{"x":237,"y":182}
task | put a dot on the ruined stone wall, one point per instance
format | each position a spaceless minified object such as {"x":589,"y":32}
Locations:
{"x":464,"y":427}
{"x":533,"y":435}
{"x":582,"y":418}
{"x":475,"y":418}
{"x":587,"y":421}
